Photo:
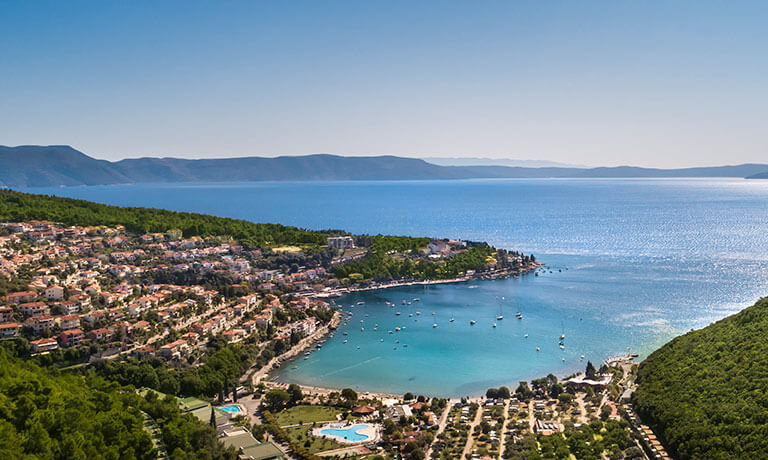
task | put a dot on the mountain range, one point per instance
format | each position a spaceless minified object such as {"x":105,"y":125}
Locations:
{"x":61,"y":165}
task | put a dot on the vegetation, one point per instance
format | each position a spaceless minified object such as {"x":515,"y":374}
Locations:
{"x":17,"y":206}
{"x":45,"y":414}
{"x":705,"y":393}
{"x":380,"y":265}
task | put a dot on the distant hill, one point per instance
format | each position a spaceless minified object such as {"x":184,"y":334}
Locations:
{"x":763,"y":175}
{"x":60,"y":165}
{"x":705,"y":393}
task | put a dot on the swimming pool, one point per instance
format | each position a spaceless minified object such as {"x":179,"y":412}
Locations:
{"x":350,"y":434}
{"x":232,"y":409}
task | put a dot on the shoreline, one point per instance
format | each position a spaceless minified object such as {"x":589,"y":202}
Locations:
{"x":264,"y":374}
{"x":489,"y":275}
{"x":363,"y":394}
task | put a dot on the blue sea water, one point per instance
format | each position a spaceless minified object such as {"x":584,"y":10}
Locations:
{"x":633,"y":263}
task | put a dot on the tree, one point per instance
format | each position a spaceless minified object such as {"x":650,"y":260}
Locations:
{"x":277,"y":398}
{"x":295,"y":392}
{"x":349,"y":394}
{"x":212,"y":421}
{"x":591,"y":372}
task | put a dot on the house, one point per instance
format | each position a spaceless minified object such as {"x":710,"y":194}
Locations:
{"x":264,"y":318}
{"x":99,"y":334}
{"x":54,"y":292}
{"x":34,"y":309}
{"x":341,"y":242}
{"x":71,"y":337}
{"x":94,"y":316}
{"x":174,"y":350}
{"x":6,"y":314}
{"x":9,"y":330}
{"x":41,"y":323}
{"x":363,"y":410}
{"x":69,"y":322}
{"x":69,"y":307}
{"x":21,"y":297}
{"x":545,"y":427}
{"x":144,"y":352}
{"x":234,"y":335}
{"x":44,"y":344}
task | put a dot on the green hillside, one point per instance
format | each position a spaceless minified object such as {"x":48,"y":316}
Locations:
{"x":49,"y":415}
{"x":706,"y":393}
{"x":17,"y":206}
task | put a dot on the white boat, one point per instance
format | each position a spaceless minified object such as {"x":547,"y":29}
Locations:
{"x":562,"y":336}
{"x":538,"y":349}
{"x":499,"y":318}
{"x":361,"y":303}
{"x":452,"y":320}
{"x":397,"y":314}
{"x":526,"y":336}
{"x":494,"y":324}
{"x":434,"y":325}
{"x":472,"y":322}
{"x":397,"y":329}
{"x":345,"y":341}
{"x":362,"y":329}
{"x":418,"y":313}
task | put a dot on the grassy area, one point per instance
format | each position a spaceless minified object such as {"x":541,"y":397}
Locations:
{"x":300,"y":435}
{"x":307,"y":415}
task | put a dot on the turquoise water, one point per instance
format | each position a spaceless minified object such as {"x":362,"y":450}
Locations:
{"x":231,"y":409}
{"x":350,"y":434}
{"x":634,"y":263}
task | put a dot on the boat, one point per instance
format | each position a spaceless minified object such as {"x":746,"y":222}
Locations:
{"x":358,"y":347}
{"x":452,"y":319}
{"x":397,"y":329}
{"x":526,"y":336}
{"x":397,"y":341}
{"x":346,"y":333}
{"x":499,"y":318}
{"x":361,"y":303}
{"x":405,"y":345}
{"x":306,"y":357}
{"x":382,"y":340}
{"x":295,"y":367}
{"x":394,"y":348}
{"x":562,"y":347}
{"x":391,"y":332}
{"x":397,"y":314}
{"x":416,"y":299}
{"x":418,"y":313}
{"x":562,"y":336}
{"x":434,"y":324}
{"x":375,"y":329}
{"x":494,"y":324}
{"x":538,"y":349}
{"x":472,"y":322}
{"x":403,"y":302}
{"x":345,"y":341}
{"x":362,"y":329}
{"x":433,"y":313}
{"x":361,"y":320}
{"x":410,"y":315}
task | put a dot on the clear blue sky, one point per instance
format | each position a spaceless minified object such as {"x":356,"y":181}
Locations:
{"x":663,"y":84}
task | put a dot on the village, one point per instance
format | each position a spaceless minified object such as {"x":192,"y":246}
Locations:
{"x":80,"y":295}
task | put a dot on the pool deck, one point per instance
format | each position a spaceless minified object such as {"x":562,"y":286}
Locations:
{"x":371,"y":430}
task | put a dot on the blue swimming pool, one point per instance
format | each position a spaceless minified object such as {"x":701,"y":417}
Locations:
{"x":233,"y":409}
{"x":350,"y":433}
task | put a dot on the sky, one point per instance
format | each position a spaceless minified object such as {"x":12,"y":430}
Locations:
{"x":660,"y":84}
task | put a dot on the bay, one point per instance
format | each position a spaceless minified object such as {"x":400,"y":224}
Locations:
{"x":633,"y":263}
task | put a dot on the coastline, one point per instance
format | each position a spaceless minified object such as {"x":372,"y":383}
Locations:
{"x":264,"y":374}
{"x":488,"y":275}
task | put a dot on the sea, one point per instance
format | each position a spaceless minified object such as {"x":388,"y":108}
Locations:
{"x":630,"y":264}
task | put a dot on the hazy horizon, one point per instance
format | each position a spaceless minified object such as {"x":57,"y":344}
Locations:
{"x":665,"y":85}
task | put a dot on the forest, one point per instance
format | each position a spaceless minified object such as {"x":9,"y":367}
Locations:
{"x":48,"y":414}
{"x":705,"y":393}
{"x":17,"y":206}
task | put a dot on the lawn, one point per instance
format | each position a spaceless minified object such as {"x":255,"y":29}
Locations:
{"x":307,"y":415}
{"x":300,"y":435}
